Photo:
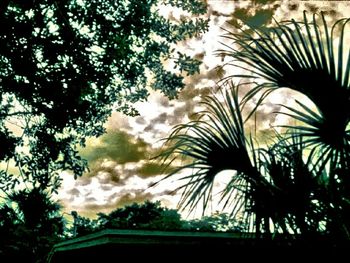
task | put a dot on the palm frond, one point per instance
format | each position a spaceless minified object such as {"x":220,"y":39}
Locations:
{"x":209,"y":146}
{"x":301,"y":56}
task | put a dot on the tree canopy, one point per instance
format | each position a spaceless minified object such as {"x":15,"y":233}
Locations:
{"x":152,"y":216}
{"x":65,"y":65}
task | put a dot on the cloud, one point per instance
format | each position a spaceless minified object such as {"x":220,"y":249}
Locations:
{"x":101,"y":196}
{"x":120,"y":170}
{"x":137,"y":196}
{"x":118,"y":146}
{"x":91,"y":209}
{"x":74,"y":192}
{"x":150,"y":169}
{"x":118,"y":121}
{"x":106,"y":171}
{"x":140,"y":120}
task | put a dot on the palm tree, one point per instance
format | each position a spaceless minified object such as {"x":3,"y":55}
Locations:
{"x":299,"y":184}
{"x":30,"y":223}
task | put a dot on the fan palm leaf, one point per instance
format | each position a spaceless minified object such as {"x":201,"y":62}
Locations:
{"x":213,"y":143}
{"x":302,"y":56}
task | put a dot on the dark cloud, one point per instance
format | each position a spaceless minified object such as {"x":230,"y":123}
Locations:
{"x":313,"y":8}
{"x":164,"y":101}
{"x":191,"y":98}
{"x":258,"y":19}
{"x":118,"y":200}
{"x":199,"y":56}
{"x":255,"y":13}
{"x":162,"y":118}
{"x":293,"y":6}
{"x":201,"y":79}
{"x":188,"y":98}
{"x":328,"y":10}
{"x":168,"y":193}
{"x":140,"y":120}
{"x":84,"y":180}
{"x":71,"y":195}
{"x":90,"y":199}
{"x":138,"y":196}
{"x":118,"y":146}
{"x":106,"y":187}
{"x":188,"y":94}
{"x":151,"y":169}
{"x":215,"y":13}
{"x":74,"y":192}
{"x":149,"y":128}
{"x":109,"y":175}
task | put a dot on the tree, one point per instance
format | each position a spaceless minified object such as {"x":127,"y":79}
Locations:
{"x":299,"y":183}
{"x":65,"y":65}
{"x":217,"y":222}
{"x":30,"y":224}
{"x":149,"y":215}
{"x":152,"y":216}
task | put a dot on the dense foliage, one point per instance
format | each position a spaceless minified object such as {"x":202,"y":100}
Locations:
{"x":65,"y":65}
{"x":152,"y":216}
{"x":299,"y":183}
{"x":30,"y":223}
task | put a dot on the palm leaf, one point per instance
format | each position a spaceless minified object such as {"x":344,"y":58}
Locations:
{"x":293,"y":55}
{"x":210,"y":147}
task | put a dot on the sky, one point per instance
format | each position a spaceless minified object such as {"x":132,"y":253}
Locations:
{"x":121,"y":169}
